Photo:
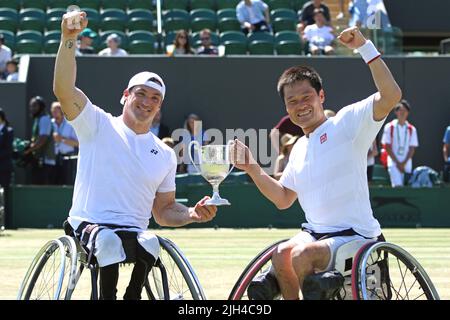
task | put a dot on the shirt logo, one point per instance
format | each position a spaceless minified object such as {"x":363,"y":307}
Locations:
{"x":323,"y":138}
{"x":153,"y":151}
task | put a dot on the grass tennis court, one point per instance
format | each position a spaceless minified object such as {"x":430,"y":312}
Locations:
{"x":219,"y":256}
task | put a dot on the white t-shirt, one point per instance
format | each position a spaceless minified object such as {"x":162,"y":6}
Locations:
{"x":402,"y":138}
{"x":118,"y":171}
{"x":327,"y":170}
{"x":107,"y":52}
{"x":320,"y":37}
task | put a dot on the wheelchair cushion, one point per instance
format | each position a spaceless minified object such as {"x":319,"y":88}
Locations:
{"x":322,"y":286}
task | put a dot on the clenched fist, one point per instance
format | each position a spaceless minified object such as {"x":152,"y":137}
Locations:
{"x":240,"y":155}
{"x":352,"y":38}
{"x":67,"y":27}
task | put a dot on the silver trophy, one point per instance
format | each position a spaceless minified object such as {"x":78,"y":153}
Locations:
{"x":214,"y":163}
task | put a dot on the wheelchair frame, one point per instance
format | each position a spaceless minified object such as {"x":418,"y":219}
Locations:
{"x":362,"y":282}
{"x":72,"y":259}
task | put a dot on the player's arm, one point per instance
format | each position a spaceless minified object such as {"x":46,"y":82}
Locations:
{"x":167,"y":212}
{"x":71,"y":98}
{"x":272,"y":189}
{"x":389,"y":93}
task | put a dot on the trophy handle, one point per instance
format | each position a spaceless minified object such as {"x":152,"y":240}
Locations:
{"x":228,"y":154}
{"x":195,"y":144}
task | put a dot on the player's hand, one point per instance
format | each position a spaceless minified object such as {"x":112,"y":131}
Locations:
{"x":401,"y":167}
{"x":71,"y":33}
{"x":240,"y":155}
{"x":352,"y":38}
{"x":202,"y":212}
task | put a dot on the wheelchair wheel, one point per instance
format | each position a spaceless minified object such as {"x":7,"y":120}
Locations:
{"x":261,"y":263}
{"x":384,"y":271}
{"x":173,"y":278}
{"x":45,"y":276}
{"x":70,"y":271}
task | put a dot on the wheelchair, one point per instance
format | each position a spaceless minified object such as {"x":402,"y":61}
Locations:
{"x":55,"y":273}
{"x":372,"y":270}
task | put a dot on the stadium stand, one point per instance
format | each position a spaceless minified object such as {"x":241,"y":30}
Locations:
{"x":194,"y":15}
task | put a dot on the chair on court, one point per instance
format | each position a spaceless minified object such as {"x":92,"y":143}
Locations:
{"x":56,"y":272}
{"x":372,"y":270}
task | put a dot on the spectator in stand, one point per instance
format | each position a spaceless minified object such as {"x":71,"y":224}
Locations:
{"x":285,"y":125}
{"x":66,"y":146}
{"x":306,"y":15}
{"x":320,"y":36}
{"x":446,"y":153}
{"x":206,"y":48}
{"x":193,"y":132}
{"x":87,"y":37}
{"x":42,"y":146}
{"x":12,"y":70}
{"x":362,"y":13}
{"x":158,"y":128}
{"x":5,"y":56}
{"x":400,"y":141}
{"x":113,"y":42}
{"x":287,"y":143}
{"x":373,"y":152}
{"x":181,"y":45}
{"x":253,"y":15}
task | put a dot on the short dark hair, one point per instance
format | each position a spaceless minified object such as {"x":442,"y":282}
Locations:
{"x":403,"y":103}
{"x":299,"y":73}
{"x":40,"y":102}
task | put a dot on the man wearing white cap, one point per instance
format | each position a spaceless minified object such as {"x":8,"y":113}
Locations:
{"x":124,"y":172}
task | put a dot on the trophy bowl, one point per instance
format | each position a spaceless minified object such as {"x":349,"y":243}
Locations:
{"x":214,"y":166}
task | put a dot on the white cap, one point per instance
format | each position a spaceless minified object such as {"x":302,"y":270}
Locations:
{"x":145,"y":78}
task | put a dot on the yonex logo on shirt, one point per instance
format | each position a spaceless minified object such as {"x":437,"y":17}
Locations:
{"x":323,"y":138}
{"x":153,"y":151}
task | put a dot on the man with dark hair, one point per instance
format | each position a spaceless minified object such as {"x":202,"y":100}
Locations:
{"x":400,"y":142}
{"x":326,"y":171}
{"x":42,"y":146}
{"x":125,"y":174}
{"x":307,"y":14}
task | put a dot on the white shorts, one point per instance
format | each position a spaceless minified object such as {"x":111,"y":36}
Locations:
{"x":333,"y":243}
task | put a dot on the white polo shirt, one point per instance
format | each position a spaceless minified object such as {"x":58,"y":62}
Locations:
{"x":401,"y":139}
{"x":327,"y":170}
{"x":118,"y":171}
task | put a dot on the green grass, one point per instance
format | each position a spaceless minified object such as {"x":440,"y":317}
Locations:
{"x":219,"y":256}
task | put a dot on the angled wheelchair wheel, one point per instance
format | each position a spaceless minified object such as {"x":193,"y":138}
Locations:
{"x":45,"y":277}
{"x":261,"y":263}
{"x":70,"y":271}
{"x":384,"y":271}
{"x":173,"y":278}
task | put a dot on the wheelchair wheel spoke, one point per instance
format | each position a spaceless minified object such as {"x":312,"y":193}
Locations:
{"x":396,"y":273}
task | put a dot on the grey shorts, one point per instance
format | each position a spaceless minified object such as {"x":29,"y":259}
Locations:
{"x":333,"y":244}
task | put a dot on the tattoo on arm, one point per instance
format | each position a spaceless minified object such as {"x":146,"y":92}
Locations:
{"x":77,"y":106}
{"x":69,"y":44}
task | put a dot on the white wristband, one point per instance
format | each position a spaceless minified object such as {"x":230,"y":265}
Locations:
{"x":368,"y":52}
